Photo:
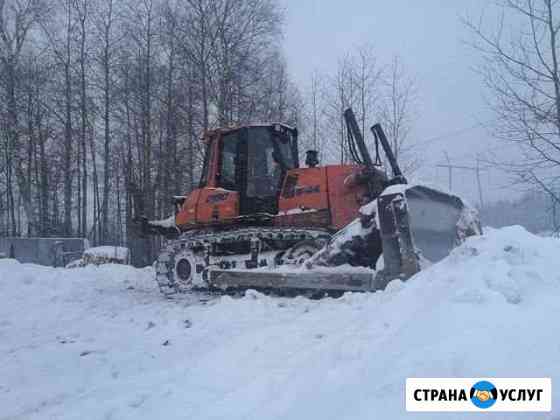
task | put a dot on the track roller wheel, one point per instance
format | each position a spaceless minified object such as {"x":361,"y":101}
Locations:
{"x":303,"y":250}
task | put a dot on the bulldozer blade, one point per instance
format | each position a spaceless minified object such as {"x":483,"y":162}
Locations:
{"x":435,"y":221}
{"x":418,"y":221}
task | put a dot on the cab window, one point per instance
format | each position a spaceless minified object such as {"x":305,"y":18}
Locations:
{"x":228,"y":161}
{"x":264,"y":175}
{"x":207,"y":159}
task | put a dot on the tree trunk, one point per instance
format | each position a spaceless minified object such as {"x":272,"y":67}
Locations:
{"x":83,"y":114}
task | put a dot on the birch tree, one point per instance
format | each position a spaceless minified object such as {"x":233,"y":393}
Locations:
{"x":520,"y":68}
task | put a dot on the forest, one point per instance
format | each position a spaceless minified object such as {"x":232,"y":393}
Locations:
{"x":105,"y":102}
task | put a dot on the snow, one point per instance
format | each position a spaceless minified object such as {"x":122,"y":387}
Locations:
{"x":397,"y":189}
{"x":165,"y":223}
{"x":296,"y":210}
{"x":117,"y":252}
{"x":102,"y":255}
{"x":101,"y":343}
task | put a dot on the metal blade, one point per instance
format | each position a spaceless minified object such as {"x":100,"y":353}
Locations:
{"x":434,"y":216}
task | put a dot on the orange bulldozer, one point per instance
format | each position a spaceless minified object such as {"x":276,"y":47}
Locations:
{"x":259,"y":220}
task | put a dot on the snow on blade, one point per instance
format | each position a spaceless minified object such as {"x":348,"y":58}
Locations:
{"x":100,"y":342}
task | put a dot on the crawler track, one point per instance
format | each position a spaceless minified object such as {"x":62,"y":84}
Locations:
{"x":183,"y":263}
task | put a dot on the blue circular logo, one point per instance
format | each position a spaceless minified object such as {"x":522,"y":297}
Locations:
{"x":483,"y":394}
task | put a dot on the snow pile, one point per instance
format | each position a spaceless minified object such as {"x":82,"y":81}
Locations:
{"x":116,"y":252}
{"x":99,"y":342}
{"x":102,"y":255}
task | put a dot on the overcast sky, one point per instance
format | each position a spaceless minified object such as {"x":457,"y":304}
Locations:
{"x":431,"y":40}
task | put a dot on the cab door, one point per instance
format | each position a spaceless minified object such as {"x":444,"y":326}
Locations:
{"x":220,"y":203}
{"x":263,"y":172}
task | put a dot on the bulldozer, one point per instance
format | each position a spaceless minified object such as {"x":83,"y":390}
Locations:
{"x":259,"y":220}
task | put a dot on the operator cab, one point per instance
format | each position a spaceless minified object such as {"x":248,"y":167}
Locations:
{"x":253,"y":162}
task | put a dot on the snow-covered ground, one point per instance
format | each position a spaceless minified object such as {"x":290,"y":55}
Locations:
{"x":101,"y":343}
